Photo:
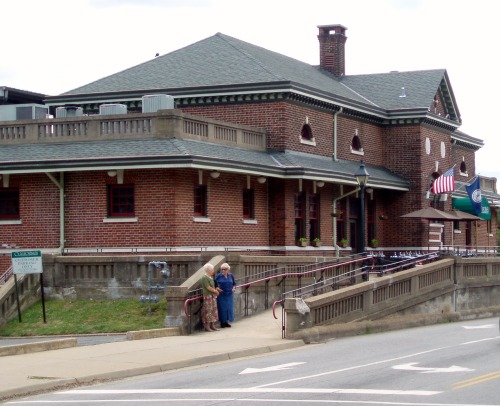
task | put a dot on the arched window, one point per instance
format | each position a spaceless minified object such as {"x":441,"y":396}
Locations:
{"x":432,"y":178}
{"x":306,"y":132}
{"x":463,"y":168}
{"x":356,"y":144}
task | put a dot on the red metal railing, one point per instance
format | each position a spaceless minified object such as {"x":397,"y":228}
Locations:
{"x":312,"y":268}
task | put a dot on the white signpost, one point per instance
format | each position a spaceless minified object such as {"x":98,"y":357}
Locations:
{"x":24,"y":263}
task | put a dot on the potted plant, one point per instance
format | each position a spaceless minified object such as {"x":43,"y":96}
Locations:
{"x":302,"y":242}
{"x":316,"y":242}
{"x":374,"y":243}
{"x":343,"y":243}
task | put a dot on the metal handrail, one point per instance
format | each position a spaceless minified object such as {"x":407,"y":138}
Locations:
{"x":470,"y":250}
{"x":334,"y":282}
{"x":6,"y":275}
{"x":315,"y":288}
{"x":274,"y":307}
{"x":316,"y":267}
{"x":405,"y":263}
{"x":304,"y":273}
{"x":188,"y":301}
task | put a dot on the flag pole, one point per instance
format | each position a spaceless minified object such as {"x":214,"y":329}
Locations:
{"x":467,"y":181}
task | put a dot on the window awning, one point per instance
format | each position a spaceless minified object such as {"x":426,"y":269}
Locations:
{"x":464,"y":204}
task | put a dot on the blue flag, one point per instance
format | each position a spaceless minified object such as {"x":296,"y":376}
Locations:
{"x":474,"y":191}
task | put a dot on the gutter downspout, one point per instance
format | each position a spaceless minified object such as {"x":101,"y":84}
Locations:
{"x":334,"y":225}
{"x":60,"y":185}
{"x":335,"y":159}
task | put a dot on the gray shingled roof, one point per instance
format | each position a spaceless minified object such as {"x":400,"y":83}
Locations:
{"x":183,"y":153}
{"x":221,"y":60}
{"x":214,"y":61}
{"x":385,"y":89}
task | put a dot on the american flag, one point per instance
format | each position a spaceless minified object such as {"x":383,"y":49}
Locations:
{"x":445,"y":183}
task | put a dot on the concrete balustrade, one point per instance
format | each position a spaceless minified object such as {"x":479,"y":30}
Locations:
{"x":446,"y":286}
{"x":162,"y":124}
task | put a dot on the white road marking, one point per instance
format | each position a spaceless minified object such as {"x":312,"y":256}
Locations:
{"x":384,"y":361}
{"x":240,"y":400}
{"x":270,"y":369}
{"x":411,"y":367}
{"x":249,"y":390}
{"x":479,"y":327}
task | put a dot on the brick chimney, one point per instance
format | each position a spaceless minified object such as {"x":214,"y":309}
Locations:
{"x":332,"y":48}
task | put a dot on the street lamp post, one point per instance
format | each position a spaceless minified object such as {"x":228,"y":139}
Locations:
{"x":361,"y":176}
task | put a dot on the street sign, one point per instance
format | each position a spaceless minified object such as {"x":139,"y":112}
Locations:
{"x":26,"y":262}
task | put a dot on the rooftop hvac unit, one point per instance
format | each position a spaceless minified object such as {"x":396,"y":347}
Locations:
{"x":69,"y":111}
{"x":10,"y":112}
{"x":153,"y":102}
{"x":114,"y":108}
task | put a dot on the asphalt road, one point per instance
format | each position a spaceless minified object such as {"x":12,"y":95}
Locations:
{"x":441,"y":365}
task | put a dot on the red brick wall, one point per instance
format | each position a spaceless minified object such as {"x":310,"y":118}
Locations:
{"x":459,"y":154}
{"x":370,"y":136}
{"x":271,"y":116}
{"x":39,"y":212}
{"x":164,"y":208}
{"x":282,"y":120}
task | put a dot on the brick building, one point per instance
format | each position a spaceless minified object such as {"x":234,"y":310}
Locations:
{"x":224,"y":145}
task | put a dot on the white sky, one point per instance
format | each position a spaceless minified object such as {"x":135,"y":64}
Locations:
{"x":52,"y":46}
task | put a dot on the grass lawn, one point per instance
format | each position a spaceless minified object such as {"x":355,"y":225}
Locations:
{"x":86,"y":316}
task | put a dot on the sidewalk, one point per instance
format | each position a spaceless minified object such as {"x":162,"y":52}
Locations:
{"x":46,"y":370}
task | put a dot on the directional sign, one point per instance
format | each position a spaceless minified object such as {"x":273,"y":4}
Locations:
{"x":411,"y":367}
{"x":25,"y":262}
{"x":271,"y":369}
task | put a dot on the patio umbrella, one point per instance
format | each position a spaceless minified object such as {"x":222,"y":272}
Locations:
{"x":464,"y":216}
{"x":430,"y":213}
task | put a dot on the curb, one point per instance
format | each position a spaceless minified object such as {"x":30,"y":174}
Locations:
{"x":154,"y":333}
{"x":27,"y":348}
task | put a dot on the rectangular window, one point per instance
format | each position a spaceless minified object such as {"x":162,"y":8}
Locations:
{"x":248,"y":204}
{"x":9,"y":203}
{"x":121,"y":201}
{"x":299,"y":215}
{"x":200,"y":200}
{"x":313,"y":216}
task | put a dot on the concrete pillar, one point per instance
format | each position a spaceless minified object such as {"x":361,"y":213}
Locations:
{"x":176,"y":317}
{"x":298,"y":315}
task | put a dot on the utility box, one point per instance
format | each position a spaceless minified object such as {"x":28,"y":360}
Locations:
{"x":12,"y":112}
{"x":153,"y":102}
{"x":69,"y":111}
{"x":112,"y":108}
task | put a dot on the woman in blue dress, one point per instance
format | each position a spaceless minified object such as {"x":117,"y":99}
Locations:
{"x":226,"y":285}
